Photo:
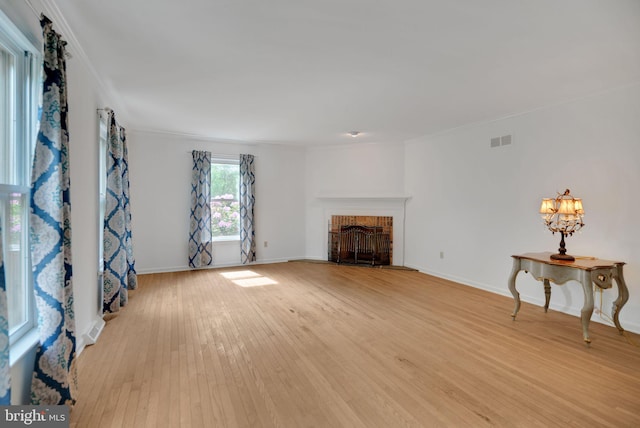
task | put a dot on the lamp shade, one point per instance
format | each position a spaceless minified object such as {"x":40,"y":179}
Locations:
{"x":578,"y":206}
{"x":547,"y":206}
{"x":567,"y":206}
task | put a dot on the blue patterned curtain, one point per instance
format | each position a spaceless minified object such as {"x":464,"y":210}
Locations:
{"x":54,"y":378}
{"x":119,"y":264}
{"x":200,"y":245}
{"x":247,"y":201}
{"x":5,"y":370}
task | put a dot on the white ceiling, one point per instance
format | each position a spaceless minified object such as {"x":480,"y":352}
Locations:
{"x":309,"y":71}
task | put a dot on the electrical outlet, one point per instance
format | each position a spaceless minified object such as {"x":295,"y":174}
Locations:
{"x":266,"y":244}
{"x":442,"y":254}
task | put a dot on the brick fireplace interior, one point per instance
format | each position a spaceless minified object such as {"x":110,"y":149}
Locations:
{"x":361,"y":239}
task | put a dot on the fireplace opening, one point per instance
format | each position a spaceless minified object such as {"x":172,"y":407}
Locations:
{"x":361,"y":240}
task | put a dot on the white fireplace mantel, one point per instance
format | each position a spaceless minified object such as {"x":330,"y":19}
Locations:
{"x":357,"y":197}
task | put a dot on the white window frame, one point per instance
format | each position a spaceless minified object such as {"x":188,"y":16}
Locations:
{"x":18,"y":155}
{"x":103,"y":149}
{"x":226,"y":160}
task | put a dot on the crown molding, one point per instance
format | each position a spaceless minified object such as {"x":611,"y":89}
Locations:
{"x":107,"y":92}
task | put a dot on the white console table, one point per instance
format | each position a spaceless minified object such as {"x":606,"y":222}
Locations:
{"x":585,"y":270}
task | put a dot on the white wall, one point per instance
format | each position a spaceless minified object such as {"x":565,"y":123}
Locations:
{"x":160,"y":175}
{"x":83,"y":141}
{"x":479,"y":205}
{"x":364,"y":176}
{"x":85,"y":97}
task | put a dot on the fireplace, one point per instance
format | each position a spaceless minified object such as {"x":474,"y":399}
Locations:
{"x":360,"y":240}
{"x":363,"y":209}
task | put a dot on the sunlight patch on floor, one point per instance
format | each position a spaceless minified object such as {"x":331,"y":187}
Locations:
{"x":248,"y":278}
{"x":240,"y":274}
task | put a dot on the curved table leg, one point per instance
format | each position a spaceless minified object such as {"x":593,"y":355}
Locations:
{"x":547,"y":294}
{"x":623,"y":296}
{"x":512,"y":286}
{"x":587,"y":309}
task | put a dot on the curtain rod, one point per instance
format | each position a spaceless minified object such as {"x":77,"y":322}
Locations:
{"x":39,"y":16}
{"x":222,"y":158}
{"x":106,"y":110}
{"x":218,"y":156}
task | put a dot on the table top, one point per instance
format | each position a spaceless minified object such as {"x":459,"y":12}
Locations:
{"x":585,"y":263}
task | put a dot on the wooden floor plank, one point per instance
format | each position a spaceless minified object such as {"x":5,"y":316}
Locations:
{"x":310,"y":344}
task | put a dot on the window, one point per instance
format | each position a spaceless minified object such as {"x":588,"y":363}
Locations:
{"x":225,"y":203}
{"x":18,"y":122}
{"x":102,"y":200}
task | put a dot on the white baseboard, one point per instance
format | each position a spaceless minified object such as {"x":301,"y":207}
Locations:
{"x":215,"y":266}
{"x":539,"y":301}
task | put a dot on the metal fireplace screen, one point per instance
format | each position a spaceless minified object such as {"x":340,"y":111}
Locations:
{"x":359,"y":244}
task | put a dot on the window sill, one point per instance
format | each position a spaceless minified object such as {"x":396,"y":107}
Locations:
{"x":23,"y":345}
{"x":226,"y":239}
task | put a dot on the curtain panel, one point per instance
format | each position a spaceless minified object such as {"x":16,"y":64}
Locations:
{"x":200,"y":239}
{"x":247,"y":202}
{"x":54,"y":378}
{"x":5,"y":369}
{"x":119,"y":263}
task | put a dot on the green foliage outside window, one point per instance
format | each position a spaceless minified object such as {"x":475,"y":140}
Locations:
{"x":225,"y":208}
{"x":15,"y":217}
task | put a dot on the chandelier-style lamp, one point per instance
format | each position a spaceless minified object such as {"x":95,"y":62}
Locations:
{"x":563,"y":215}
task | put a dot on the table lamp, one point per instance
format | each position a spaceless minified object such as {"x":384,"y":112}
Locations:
{"x":564,"y":215}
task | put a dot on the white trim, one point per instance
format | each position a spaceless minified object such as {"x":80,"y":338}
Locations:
{"x":202,"y":137}
{"x":14,"y":188}
{"x":50,"y":8}
{"x":535,"y":300}
{"x":8,"y":28}
{"x":23,"y":345}
{"x":364,"y":196}
{"x":225,"y":239}
{"x":217,"y":266}
{"x":421,"y":138}
{"x":27,"y":87}
{"x":225,"y":159}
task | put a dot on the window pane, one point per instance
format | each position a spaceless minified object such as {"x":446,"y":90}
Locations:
{"x":16,"y":258}
{"x":19,"y":91}
{"x":7,"y":118}
{"x":225,"y":208}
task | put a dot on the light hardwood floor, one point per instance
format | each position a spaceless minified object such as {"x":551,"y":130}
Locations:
{"x":305,"y":344}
